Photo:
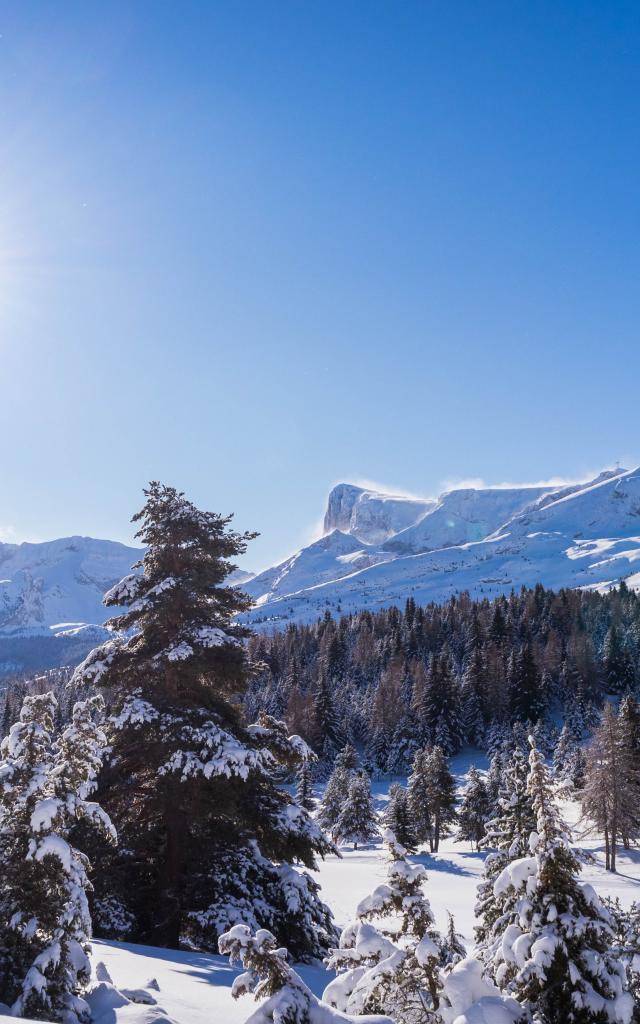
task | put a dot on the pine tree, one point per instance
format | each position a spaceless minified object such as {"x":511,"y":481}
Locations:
{"x":347,"y":758}
{"x":474,"y":809}
{"x":326,"y":732}
{"x":267,"y":974}
{"x":440,"y":789}
{"x":25,"y":772}
{"x":335,"y":791}
{"x":524,"y":683}
{"x":304,"y":786}
{"x":392,"y":966}
{"x":206,"y":831}
{"x":564,"y":753}
{"x":420,"y":818}
{"x":452,"y":948}
{"x":506,"y":838}
{"x":397,"y":817}
{"x":46,"y":876}
{"x":618,"y":665}
{"x":555,"y":952}
{"x":358,"y":821}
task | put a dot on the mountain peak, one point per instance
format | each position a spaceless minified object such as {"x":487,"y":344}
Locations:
{"x":370,"y":515}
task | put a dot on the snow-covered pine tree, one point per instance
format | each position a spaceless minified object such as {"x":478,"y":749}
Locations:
{"x":556,"y":951}
{"x":564,"y":752}
{"x":474,"y":809}
{"x":498,"y":758}
{"x":358,"y":821}
{"x":393,"y":966}
{"x":397,"y":817}
{"x":267,"y":974}
{"x":53,"y":872}
{"x":25,"y":771}
{"x":304,"y":786}
{"x":208,"y":837}
{"x":440,"y":790}
{"x":506,"y":838}
{"x":347,"y":758}
{"x":336,"y":789}
{"x":417,"y":799}
{"x":452,"y":949}
{"x":473,"y":684}
{"x":327,"y":734}
{"x":631,"y":954}
{"x":403,"y":747}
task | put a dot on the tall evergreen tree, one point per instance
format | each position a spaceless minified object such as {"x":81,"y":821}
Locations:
{"x":563,"y":969}
{"x":397,"y":817}
{"x":440,"y":789}
{"x":25,"y":773}
{"x":205,"y":830}
{"x":304,"y":786}
{"x":420,"y":817}
{"x":45,"y":793}
{"x":506,"y":838}
{"x":474,"y":809}
{"x":392,"y":965}
{"x":358,"y":821}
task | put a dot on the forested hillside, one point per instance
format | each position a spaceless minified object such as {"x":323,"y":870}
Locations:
{"x":449,"y":674}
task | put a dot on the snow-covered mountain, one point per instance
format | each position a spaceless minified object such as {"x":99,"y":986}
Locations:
{"x":58,"y":585}
{"x":370,"y":516}
{"x":484,"y":541}
{"x":376,"y":550}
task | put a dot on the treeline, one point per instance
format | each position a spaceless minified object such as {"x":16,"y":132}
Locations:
{"x":395,"y":681}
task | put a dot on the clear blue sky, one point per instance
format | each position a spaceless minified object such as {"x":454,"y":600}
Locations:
{"x":255,"y":248}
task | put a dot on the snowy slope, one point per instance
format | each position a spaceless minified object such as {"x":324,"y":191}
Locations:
{"x":465,"y":515}
{"x":195,"y":988}
{"x":57,"y":586}
{"x":338,"y":554}
{"x":58,"y":582}
{"x":586,"y":537}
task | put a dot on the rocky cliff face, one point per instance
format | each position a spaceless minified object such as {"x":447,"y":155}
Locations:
{"x":370,"y":516}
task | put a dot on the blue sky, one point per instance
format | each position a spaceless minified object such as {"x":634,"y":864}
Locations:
{"x":255,"y":248}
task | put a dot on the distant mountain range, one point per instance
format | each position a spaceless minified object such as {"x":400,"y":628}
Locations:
{"x":376,"y":550}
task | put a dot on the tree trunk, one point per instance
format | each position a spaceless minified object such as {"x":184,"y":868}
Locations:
{"x":168,"y":914}
{"x":607,"y":855}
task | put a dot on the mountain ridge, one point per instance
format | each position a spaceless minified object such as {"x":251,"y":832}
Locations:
{"x":596,"y":543}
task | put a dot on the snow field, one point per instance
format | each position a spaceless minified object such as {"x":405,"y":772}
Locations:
{"x":195,"y":988}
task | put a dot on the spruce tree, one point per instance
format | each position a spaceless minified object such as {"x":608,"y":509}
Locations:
{"x":397,"y":817}
{"x":304,"y":786}
{"x":391,"y":953}
{"x":420,"y":818}
{"x":25,"y":773}
{"x":452,"y":948}
{"x":556,"y":951}
{"x":506,"y":838}
{"x":358,"y":821}
{"x":440,"y":790}
{"x":207,"y":833}
{"x":48,"y":885}
{"x":336,"y":790}
{"x":474,"y":809}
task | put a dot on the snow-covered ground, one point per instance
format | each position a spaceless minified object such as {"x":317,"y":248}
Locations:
{"x":195,"y":988}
